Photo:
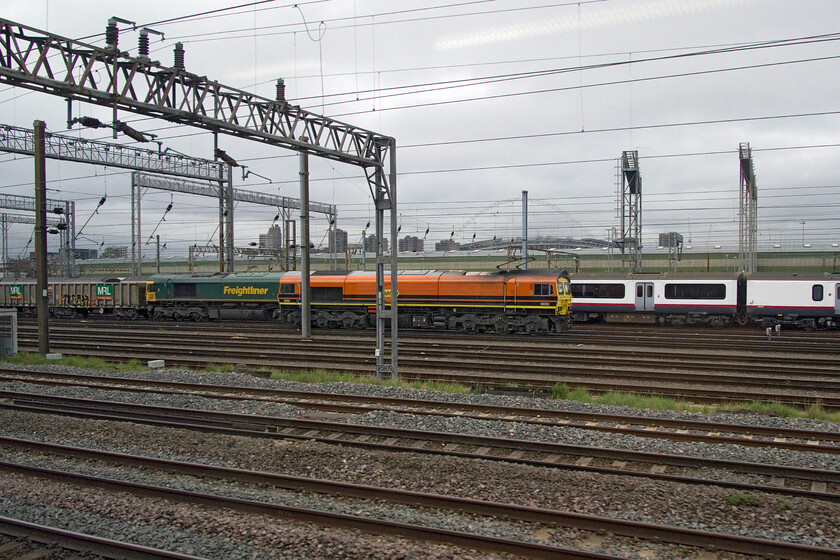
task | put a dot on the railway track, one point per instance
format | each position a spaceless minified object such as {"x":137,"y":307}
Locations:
{"x":322,"y":403}
{"x":802,"y":373}
{"x":149,"y":431}
{"x":544,"y":517}
{"x":773,"y":479}
{"x":20,"y":540}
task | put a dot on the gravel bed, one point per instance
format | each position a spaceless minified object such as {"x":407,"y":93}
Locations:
{"x":767,"y":516}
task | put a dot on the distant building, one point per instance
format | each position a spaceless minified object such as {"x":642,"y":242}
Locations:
{"x":85,"y":254}
{"x":410,"y":243}
{"x":338,"y":241}
{"x":272,"y":239}
{"x":370,"y":243}
{"x":447,"y":245}
{"x":115,"y":253}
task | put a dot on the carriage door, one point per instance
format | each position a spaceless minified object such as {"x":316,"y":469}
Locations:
{"x":644,"y":296}
{"x":837,"y":299}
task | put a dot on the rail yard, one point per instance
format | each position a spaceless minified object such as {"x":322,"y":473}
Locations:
{"x":238,"y":465}
{"x":206,"y":363}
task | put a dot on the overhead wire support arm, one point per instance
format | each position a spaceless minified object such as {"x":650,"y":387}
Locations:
{"x":42,"y":61}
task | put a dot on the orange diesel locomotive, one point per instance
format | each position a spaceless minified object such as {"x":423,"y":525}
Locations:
{"x":521,"y":301}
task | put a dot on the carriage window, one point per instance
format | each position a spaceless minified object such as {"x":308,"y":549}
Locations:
{"x":543,"y":290}
{"x":640,"y":291}
{"x":605,"y":291}
{"x":695,"y":291}
{"x":817,"y":292}
{"x":287,"y":288}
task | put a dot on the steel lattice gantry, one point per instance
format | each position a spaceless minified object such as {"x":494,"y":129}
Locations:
{"x":748,"y":212}
{"x":631,"y":212}
{"x":67,"y":236}
{"x":68,"y":148}
{"x":8,"y":219}
{"x":145,"y":180}
{"x":49,"y":63}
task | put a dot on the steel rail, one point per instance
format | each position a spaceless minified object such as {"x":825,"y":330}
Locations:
{"x":331,"y":519}
{"x":479,"y":374}
{"x":735,"y":360}
{"x":513,"y":450}
{"x":665,"y":533}
{"x":539,"y":416}
{"x":685,"y":368}
{"x":81,"y":542}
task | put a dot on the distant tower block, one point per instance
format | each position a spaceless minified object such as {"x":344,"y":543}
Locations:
{"x":630,"y":241}
{"x":748,"y":212}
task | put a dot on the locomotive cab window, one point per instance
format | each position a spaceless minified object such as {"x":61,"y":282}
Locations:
{"x":543,"y":289}
{"x":817,"y":292}
{"x":287,"y":288}
{"x":695,"y":291}
{"x":153,"y":288}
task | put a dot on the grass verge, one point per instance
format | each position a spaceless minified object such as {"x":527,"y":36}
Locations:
{"x":581,"y":394}
{"x":561,"y":391}
{"x":35,"y":359}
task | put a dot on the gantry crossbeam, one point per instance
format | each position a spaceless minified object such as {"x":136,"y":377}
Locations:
{"x":53,"y":64}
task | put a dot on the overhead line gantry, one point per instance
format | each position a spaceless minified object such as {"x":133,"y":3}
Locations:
{"x":56,"y":65}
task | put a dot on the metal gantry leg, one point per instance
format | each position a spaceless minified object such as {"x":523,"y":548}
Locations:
{"x":41,"y":239}
{"x":305,"y":311}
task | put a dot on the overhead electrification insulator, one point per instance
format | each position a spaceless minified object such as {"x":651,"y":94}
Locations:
{"x":112,"y":34}
{"x":222,"y":155}
{"x":130,"y":132}
{"x":143,"y":45}
{"x":281,"y":90}
{"x":91,"y":122}
{"x":179,"y":56}
{"x":143,"y":41}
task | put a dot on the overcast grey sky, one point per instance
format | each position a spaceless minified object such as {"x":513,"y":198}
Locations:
{"x":487,"y":98}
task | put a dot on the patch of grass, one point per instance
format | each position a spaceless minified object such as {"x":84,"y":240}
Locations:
{"x":218,"y":368}
{"x":35,"y":359}
{"x":131,"y":365}
{"x":562,"y":391}
{"x":322,"y":376}
{"x":739,"y":500}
